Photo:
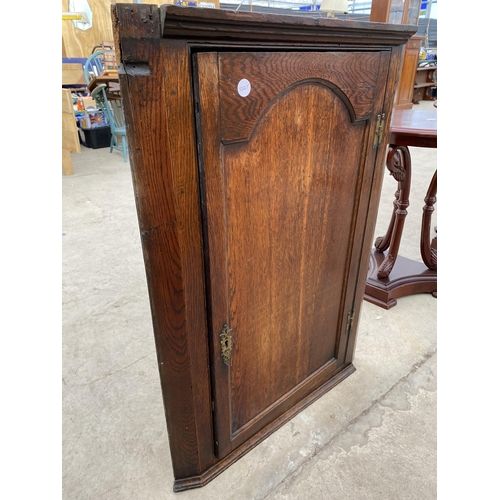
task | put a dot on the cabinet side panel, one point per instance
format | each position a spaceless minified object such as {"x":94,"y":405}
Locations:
{"x":157,"y":95}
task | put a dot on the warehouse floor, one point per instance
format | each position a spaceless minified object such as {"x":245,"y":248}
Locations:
{"x":371,"y":437}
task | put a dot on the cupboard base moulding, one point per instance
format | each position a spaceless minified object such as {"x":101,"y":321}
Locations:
{"x":219,"y":467}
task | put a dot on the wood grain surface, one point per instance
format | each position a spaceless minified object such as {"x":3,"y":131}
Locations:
{"x":286,"y":244}
{"x":216,"y":24}
{"x":352,"y":76}
{"x":281,"y":211}
{"x":165,"y":176}
{"x":266,"y":229}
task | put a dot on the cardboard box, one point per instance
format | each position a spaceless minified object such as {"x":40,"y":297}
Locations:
{"x":88,"y":101}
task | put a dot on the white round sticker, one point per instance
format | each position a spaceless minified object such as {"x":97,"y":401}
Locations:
{"x":244,"y":87}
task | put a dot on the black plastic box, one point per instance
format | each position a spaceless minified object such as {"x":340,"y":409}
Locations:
{"x":95,"y":138}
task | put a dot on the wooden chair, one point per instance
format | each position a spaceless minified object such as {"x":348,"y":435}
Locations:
{"x":93,"y":66}
{"x":100,"y":61}
{"x":113,"y":109}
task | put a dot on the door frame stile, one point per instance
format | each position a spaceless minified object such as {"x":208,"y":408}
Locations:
{"x":210,"y":161}
{"x":392,"y":60}
{"x":367,"y":170}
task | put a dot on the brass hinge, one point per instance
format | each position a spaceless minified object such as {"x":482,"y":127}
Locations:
{"x":379,"y":130}
{"x":226,"y":344}
{"x":350,"y":321}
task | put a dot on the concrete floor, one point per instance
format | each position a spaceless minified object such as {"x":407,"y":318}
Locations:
{"x":371,"y":437}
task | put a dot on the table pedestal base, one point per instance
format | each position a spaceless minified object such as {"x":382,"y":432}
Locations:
{"x":407,"y":278}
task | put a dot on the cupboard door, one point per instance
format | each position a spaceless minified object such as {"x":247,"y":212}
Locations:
{"x":286,"y":152}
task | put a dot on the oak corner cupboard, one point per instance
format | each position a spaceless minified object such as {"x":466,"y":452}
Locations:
{"x":257,"y":147}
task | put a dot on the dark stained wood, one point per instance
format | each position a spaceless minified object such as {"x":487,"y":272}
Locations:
{"x":384,"y":284}
{"x":399,"y":165}
{"x":307,"y":182}
{"x":164,"y":172}
{"x":356,"y":78}
{"x":370,"y":198}
{"x":212,"y":177}
{"x":408,"y":277}
{"x":286,"y":328}
{"x":257,"y":213}
{"x":194,"y":23}
{"x":416,"y":128}
{"x":246,"y":208}
{"x":428,"y":247}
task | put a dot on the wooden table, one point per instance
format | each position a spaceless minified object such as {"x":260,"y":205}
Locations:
{"x":390,"y":275}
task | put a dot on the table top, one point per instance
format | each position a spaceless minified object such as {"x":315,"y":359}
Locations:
{"x":110,"y":80}
{"x":414,"y":128}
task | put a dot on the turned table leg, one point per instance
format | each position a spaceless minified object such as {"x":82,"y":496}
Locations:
{"x":428,"y":248}
{"x":399,"y":166}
